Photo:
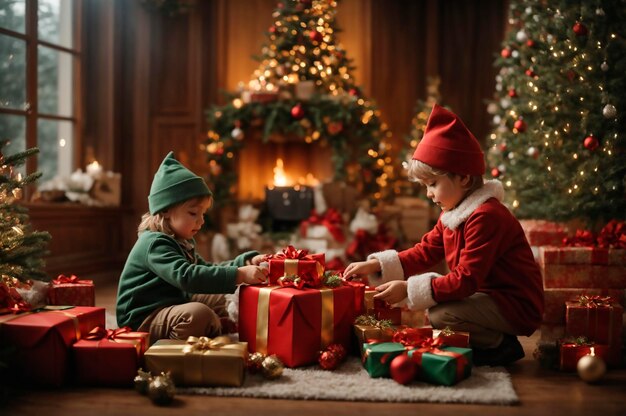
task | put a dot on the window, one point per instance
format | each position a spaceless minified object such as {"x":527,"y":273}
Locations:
{"x":39,"y":85}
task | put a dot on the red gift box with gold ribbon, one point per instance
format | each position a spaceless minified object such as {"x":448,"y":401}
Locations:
{"x":298,"y":266}
{"x":600,"y":320}
{"x":42,"y":341}
{"x":109,"y":357}
{"x":70,"y":290}
{"x":296,"y":324}
{"x":573,"y":349}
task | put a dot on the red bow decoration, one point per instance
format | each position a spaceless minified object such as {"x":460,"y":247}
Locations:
{"x":365,"y":243}
{"x":11,"y":300}
{"x":594,"y":301}
{"x":331,"y":219}
{"x":307,"y":279}
{"x":612,"y":235}
{"x":412,"y":337}
{"x":99,"y":333}
{"x":582,"y":238}
{"x":290,"y":253}
{"x":74,"y":280}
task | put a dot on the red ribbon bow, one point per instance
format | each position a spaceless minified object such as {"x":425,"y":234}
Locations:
{"x":365,"y":243}
{"x":411,"y":337}
{"x":331,"y":219}
{"x":613,"y":235}
{"x":63,"y":279}
{"x":290,"y":253}
{"x":11,"y":300}
{"x":99,"y":333}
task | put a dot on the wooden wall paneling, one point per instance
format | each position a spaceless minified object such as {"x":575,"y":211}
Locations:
{"x":85,"y":240}
{"x":466,"y":60}
{"x":354,"y":18}
{"x":399,"y":62}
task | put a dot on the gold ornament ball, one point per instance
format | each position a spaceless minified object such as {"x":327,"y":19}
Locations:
{"x":255,"y":362}
{"x":142,"y":381}
{"x":591,"y":368}
{"x":272,"y":367}
{"x":161,"y":390}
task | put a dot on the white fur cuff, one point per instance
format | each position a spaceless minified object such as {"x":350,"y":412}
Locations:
{"x":419,"y":291}
{"x":390,"y":265}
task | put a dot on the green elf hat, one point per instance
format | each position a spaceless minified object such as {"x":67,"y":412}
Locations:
{"x":174,"y":183}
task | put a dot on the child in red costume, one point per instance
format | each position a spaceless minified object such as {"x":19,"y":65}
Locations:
{"x":494,"y":288}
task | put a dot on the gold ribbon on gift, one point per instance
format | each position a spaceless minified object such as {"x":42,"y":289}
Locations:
{"x":291,"y":267}
{"x":327,"y":334}
{"x":199,"y":361}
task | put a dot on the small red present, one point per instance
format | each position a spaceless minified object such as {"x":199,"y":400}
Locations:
{"x":573,"y":349}
{"x":297,"y":268}
{"x":42,"y":340}
{"x":600,"y":320}
{"x":452,"y":338}
{"x":295,"y":324}
{"x":583,"y":267}
{"x":544,"y":233}
{"x":72,"y":291}
{"x":382,"y":310}
{"x":109,"y":357}
{"x":554,"y":301}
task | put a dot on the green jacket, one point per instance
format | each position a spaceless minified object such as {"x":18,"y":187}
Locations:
{"x":158,"y":273}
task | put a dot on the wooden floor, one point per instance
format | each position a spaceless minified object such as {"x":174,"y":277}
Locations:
{"x":541,"y":392}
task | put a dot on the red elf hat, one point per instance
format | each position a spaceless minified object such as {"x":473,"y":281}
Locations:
{"x":448,"y":145}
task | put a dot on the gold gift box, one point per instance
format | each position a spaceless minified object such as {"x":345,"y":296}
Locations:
{"x":370,"y":332}
{"x":222,"y":364}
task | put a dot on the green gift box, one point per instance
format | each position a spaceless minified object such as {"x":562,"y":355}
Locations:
{"x":377,"y":357}
{"x":443,"y":365}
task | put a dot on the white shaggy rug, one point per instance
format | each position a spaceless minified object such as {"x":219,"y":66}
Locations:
{"x":350,"y":382}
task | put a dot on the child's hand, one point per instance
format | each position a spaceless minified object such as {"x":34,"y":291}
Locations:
{"x":392,"y":292}
{"x":258,"y":259}
{"x":251,"y":275}
{"x":362,"y":267}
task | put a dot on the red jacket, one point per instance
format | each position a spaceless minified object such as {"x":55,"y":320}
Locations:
{"x":486,"y":251}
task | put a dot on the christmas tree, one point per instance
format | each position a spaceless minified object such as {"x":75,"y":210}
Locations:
{"x":560,"y":133}
{"x":303,"y":89}
{"x":21,"y":249}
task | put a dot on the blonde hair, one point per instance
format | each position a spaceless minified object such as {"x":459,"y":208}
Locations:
{"x":158,"y":222}
{"x":421,"y":172}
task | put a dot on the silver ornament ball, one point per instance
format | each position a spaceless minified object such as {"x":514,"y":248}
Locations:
{"x":609,"y":111}
{"x":591,"y":368}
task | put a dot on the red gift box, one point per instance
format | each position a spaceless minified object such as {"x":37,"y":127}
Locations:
{"x":599,"y":320}
{"x":42,"y":340}
{"x":309,"y":268}
{"x":109,"y":357}
{"x":572,"y":350}
{"x":583,"y":267}
{"x":554,"y":301}
{"x":452,"y":338}
{"x":295,"y":324}
{"x":544,"y":233}
{"x":72,"y":291}
{"x":382,"y":310}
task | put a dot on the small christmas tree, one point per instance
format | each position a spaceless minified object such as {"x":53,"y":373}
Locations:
{"x":303,"y":89}
{"x":21,"y":249}
{"x":559,"y":144}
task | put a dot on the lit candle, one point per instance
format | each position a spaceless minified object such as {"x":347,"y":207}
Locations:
{"x":94,"y":169}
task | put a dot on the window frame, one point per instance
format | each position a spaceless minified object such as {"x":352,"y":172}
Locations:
{"x":30,"y":110}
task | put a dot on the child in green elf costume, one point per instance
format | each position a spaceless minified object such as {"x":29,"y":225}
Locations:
{"x":166,"y":288}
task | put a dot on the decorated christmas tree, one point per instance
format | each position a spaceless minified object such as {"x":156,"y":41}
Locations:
{"x":21,"y":249}
{"x":560,"y":133}
{"x":303,"y":90}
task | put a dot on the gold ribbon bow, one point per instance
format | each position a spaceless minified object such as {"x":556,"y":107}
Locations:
{"x":205,"y":343}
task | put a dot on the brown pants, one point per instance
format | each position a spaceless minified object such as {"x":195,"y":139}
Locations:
{"x":477,"y":314}
{"x":200,"y":317}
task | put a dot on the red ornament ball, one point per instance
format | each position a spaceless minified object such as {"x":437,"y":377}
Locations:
{"x":495,"y":172}
{"x":512,"y":93}
{"x":520,"y":125}
{"x":297,"y":111}
{"x":338,"y":350}
{"x":591,"y":143}
{"x":272,"y":29}
{"x":505,"y":53}
{"x":334,"y":127}
{"x":580,"y":29}
{"x":316,"y":36}
{"x":530,"y":73}
{"x":328,"y":360}
{"x":530,"y":43}
{"x":403,"y":369}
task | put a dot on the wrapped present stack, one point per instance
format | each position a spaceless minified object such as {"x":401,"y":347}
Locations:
{"x":584,"y":276}
{"x":300,"y":312}
{"x":410,"y":216}
{"x":543,"y":233}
